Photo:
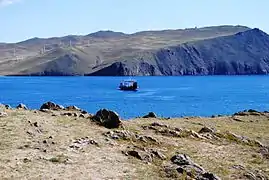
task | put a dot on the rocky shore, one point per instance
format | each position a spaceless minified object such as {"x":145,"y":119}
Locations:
{"x":57,"y":142}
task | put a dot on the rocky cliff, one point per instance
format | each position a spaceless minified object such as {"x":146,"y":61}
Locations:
{"x":219,"y":50}
{"x":243,"y":53}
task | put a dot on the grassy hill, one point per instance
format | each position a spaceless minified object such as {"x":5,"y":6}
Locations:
{"x":141,"y":53}
{"x":52,"y":145}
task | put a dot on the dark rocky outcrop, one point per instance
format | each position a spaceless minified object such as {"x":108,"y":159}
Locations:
{"x":240,"y":54}
{"x":127,"y":135}
{"x":184,"y":165}
{"x":72,"y":108}
{"x":107,"y":118}
{"x":51,"y":106}
{"x":145,"y":154}
{"x":22,"y":106}
{"x":150,"y":115}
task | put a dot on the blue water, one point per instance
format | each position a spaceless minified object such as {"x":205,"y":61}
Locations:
{"x":167,"y":96}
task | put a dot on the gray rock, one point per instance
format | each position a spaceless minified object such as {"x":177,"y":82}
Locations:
{"x":51,"y":106}
{"x":181,"y":159}
{"x":3,"y":114}
{"x":7,"y":106}
{"x":107,"y":118}
{"x":186,"y":165}
{"x":207,"y":130}
{"x":22,"y":106}
{"x":72,"y":108}
{"x":150,"y":115}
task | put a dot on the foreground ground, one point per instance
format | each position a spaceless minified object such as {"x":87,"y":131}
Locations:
{"x":48,"y":145}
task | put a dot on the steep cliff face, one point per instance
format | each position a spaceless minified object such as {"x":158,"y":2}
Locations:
{"x":130,"y":69}
{"x":240,"y":54}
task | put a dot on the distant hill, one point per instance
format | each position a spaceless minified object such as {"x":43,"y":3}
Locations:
{"x":216,"y":50}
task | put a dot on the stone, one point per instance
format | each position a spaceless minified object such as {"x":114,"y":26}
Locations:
{"x":158,"y":154}
{"x":140,"y":155}
{"x":8,"y":106}
{"x":84,"y":112}
{"x":186,"y":166}
{"x":68,"y":114}
{"x":35,"y":124}
{"x":51,"y":106}
{"x":107,"y":118}
{"x":22,"y":106}
{"x":150,"y":115}
{"x":82,"y":116}
{"x":207,"y":130}
{"x":72,"y":108}
{"x":181,"y":159}
{"x":3,"y":114}
{"x":159,"y":124}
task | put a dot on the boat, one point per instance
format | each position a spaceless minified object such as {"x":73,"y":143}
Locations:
{"x":128,"y":85}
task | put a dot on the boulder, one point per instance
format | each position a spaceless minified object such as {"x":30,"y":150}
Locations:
{"x":22,"y":106}
{"x":184,"y":165}
{"x":3,"y":114}
{"x":150,"y":115}
{"x":107,"y":118}
{"x":72,"y":108}
{"x":7,"y":106}
{"x":207,"y":130}
{"x":51,"y":106}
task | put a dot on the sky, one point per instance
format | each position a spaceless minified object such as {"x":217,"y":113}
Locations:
{"x":24,"y":19}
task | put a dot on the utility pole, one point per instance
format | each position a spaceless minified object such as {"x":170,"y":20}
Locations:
{"x":14,"y":52}
{"x":70,"y":43}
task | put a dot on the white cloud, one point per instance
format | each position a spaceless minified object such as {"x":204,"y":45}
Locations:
{"x":8,"y":2}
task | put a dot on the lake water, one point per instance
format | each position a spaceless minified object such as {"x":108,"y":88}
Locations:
{"x":167,"y":96}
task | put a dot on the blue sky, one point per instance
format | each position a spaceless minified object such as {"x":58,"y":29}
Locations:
{"x":24,"y":19}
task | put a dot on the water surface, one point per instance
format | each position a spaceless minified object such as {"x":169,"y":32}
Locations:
{"x":167,"y":96}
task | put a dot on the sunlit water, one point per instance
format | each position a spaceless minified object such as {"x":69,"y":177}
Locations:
{"x":167,"y":96}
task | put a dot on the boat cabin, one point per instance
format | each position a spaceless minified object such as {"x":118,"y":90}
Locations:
{"x":128,"y":85}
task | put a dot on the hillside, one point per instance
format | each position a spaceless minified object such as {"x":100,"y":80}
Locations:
{"x":216,"y":50}
{"x":61,"y":144}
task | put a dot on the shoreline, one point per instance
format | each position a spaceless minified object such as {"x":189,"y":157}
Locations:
{"x":150,"y":114}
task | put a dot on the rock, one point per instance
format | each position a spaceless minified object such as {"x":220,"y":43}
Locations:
{"x":207,"y":130}
{"x":252,"y":110}
{"x":22,"y":106}
{"x":68,"y":114}
{"x":72,"y":108}
{"x":84,"y":112}
{"x":146,"y":155}
{"x":8,"y":106}
{"x":82,"y":142}
{"x":3,"y":114}
{"x":265,"y":152}
{"x":242,"y":139}
{"x":35,"y":124}
{"x":181,"y":159}
{"x":46,"y":110}
{"x":186,"y":166}
{"x":120,"y":134}
{"x":82,"y":116}
{"x":107,"y":118}
{"x":140,"y":155}
{"x":159,"y":125}
{"x":150,"y":115}
{"x":51,"y":106}
{"x":158,"y":154}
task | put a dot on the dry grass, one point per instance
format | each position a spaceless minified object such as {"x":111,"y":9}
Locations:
{"x":43,"y":151}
